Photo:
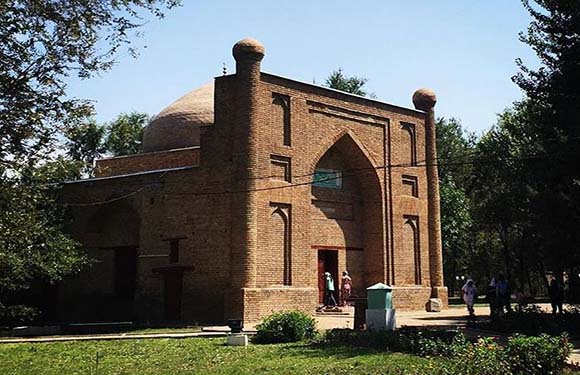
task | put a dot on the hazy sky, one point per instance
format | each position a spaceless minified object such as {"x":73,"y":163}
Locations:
{"x":463,"y":49}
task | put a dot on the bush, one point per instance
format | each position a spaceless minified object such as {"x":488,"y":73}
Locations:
{"x":533,"y":321}
{"x":11,"y":316}
{"x":382,"y":340}
{"x":537,"y":355}
{"x":290,"y":326}
{"x":406,"y":340}
{"x":522,"y":355}
{"x":483,"y":357}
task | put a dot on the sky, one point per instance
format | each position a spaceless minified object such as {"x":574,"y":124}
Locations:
{"x":465,"y":50}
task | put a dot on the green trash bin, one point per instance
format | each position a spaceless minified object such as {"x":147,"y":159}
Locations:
{"x":380,"y":297}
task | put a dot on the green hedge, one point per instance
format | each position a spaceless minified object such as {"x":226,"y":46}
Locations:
{"x":289,"y":326}
{"x":521,"y":355}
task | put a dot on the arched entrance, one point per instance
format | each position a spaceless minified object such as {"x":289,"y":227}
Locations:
{"x":347,"y":222}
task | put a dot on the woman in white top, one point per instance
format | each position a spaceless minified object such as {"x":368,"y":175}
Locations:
{"x":469,"y":292}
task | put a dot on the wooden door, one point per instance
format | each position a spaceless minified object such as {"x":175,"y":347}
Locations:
{"x":172,"y":295}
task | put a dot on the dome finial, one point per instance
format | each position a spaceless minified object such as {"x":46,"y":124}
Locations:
{"x":424,"y":99}
{"x":248,"y":48}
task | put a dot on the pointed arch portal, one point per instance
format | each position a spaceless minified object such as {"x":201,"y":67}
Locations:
{"x":348,"y":213}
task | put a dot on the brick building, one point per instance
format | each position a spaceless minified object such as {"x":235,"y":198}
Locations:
{"x":247,"y":190}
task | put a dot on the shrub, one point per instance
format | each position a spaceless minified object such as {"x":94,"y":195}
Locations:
{"x":537,"y":355}
{"x":382,"y":340}
{"x":522,"y":355}
{"x":532,"y":321}
{"x":290,"y":326}
{"x":406,"y":340}
{"x":15,"y":315}
{"x":484,"y":357}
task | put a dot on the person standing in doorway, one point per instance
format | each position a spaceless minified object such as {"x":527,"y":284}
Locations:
{"x":469,"y":292}
{"x":329,"y":299}
{"x":345,"y":288}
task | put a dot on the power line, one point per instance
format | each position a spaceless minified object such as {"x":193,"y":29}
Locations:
{"x":310,"y":182}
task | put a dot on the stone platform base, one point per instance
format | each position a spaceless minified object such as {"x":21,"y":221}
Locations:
{"x":416,"y":298}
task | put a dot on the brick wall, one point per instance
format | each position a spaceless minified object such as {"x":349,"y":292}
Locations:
{"x":151,"y":161}
{"x":244,"y":232}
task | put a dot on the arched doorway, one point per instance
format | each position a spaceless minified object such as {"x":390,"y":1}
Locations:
{"x":347,"y":222}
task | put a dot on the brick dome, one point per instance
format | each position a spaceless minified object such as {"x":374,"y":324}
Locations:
{"x":177,"y":126}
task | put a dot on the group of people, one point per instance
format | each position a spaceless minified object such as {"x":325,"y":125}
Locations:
{"x":329,"y":289}
{"x":498,"y":296}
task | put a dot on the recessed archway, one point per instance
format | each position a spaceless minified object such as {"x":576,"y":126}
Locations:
{"x":348,"y":211}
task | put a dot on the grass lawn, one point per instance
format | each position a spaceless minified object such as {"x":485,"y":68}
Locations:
{"x":199,"y":356}
{"x":142,"y":331}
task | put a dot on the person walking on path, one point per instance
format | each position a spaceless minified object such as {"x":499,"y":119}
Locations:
{"x":345,"y":288}
{"x":329,"y":299}
{"x":503,"y":295}
{"x":556,"y":296}
{"x":469,"y":292}
{"x":491,"y":297}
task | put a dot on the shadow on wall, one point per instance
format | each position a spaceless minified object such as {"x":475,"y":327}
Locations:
{"x":106,"y":290}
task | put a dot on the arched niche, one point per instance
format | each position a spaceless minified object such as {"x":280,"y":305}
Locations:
{"x":277,"y":261}
{"x":409,"y":260}
{"x":408,"y":144}
{"x":347,"y":221}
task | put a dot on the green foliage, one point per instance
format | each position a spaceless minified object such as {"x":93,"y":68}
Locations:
{"x":125,"y":134}
{"x":537,"y":355}
{"x":550,"y":129}
{"x":533,"y":321}
{"x":423,"y":342}
{"x":521,"y":355}
{"x":455,"y":148}
{"x":483,"y":357}
{"x":41,"y":44}
{"x":339,"y":81}
{"x":16,"y":315}
{"x":287,"y":326}
{"x":33,"y":245}
{"x":85,"y":143}
{"x":87,"y":140}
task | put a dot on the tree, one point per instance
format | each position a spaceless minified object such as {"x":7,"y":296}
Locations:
{"x":551,"y":131}
{"x":85,"y":143}
{"x":33,"y":246}
{"x":354,"y":85}
{"x":454,"y":150}
{"x":41,"y":44}
{"x":87,"y":140}
{"x":500,"y":193}
{"x":125,"y":134}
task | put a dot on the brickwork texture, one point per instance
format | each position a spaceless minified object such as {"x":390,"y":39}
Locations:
{"x":237,"y":228}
